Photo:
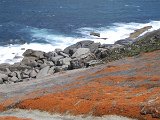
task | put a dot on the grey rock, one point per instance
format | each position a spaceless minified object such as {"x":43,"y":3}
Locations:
{"x":84,"y":54}
{"x":4,"y":77}
{"x":18,"y":74}
{"x":4,"y":66}
{"x":65,"y":67}
{"x":49,"y":55}
{"x":12,"y":74}
{"x":18,"y":67}
{"x":26,"y":72}
{"x":33,"y":64}
{"x":27,"y":52}
{"x":50,"y":63}
{"x":51,"y":70}
{"x":24,"y":76}
{"x":28,"y":60}
{"x":94,"y":46}
{"x":75,"y":64}
{"x":126,"y":41}
{"x":58,"y":50}
{"x":14,"y":79}
{"x":1,"y":81}
{"x":44,"y":60}
{"x":43,"y":65}
{"x":81,"y":53}
{"x":93,"y":63}
{"x":38,"y":54}
{"x":63,"y":54}
{"x":8,"y":70}
{"x":43,"y":72}
{"x":56,"y":59}
{"x":33,"y":74}
{"x":37,"y":70}
{"x":82,"y":44}
{"x":58,"y":68}
{"x":40,"y":62}
{"x":33,"y":53}
{"x":95,"y":34}
{"x":66,"y":61}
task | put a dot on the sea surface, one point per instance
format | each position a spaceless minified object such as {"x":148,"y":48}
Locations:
{"x":49,"y":24}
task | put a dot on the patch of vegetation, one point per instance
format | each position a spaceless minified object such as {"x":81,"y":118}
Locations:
{"x":147,"y":43}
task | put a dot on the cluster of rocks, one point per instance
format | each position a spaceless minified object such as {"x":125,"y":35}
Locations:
{"x":38,"y":64}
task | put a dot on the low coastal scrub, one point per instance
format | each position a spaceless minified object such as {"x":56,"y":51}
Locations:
{"x":147,"y":43}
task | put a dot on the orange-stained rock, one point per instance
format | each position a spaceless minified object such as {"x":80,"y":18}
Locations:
{"x":129,"y":87}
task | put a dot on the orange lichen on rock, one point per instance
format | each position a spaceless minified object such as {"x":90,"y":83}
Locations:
{"x":128,"y":88}
{"x":1,"y":108}
{"x":95,"y":98}
{"x":12,"y":118}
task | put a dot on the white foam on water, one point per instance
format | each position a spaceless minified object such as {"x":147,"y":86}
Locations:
{"x":37,"y":115}
{"x":13,"y":53}
{"x":113,"y":33}
{"x":117,"y":31}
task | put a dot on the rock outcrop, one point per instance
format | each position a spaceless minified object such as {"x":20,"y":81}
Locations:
{"x":38,"y":64}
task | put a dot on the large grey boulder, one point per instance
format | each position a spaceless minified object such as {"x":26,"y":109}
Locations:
{"x":28,"y":60}
{"x":18,"y":74}
{"x":33,"y":74}
{"x":43,"y":72}
{"x":18,"y":67}
{"x":12,"y":74}
{"x":38,"y":54}
{"x":33,"y":53}
{"x":58,"y":50}
{"x":75,"y":64}
{"x":56,"y":59}
{"x":3,"y":77}
{"x":14,"y":79}
{"x":4,"y":66}
{"x":51,"y":70}
{"x":66,"y":61}
{"x":50,"y":55}
{"x":81,"y":53}
{"x":82,"y":44}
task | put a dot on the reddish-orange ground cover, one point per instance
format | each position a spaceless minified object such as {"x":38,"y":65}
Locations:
{"x":135,"y":96}
{"x":128,"y":87}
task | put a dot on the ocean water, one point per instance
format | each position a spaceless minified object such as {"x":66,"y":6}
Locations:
{"x":49,"y":24}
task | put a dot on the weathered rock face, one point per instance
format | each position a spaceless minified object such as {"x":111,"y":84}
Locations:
{"x":43,"y":72}
{"x":82,"y":44}
{"x":30,"y":52}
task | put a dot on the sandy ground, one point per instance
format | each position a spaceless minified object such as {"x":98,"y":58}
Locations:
{"x":128,"y":87}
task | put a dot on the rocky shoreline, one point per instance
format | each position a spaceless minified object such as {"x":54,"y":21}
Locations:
{"x":128,"y":86}
{"x":38,"y":64}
